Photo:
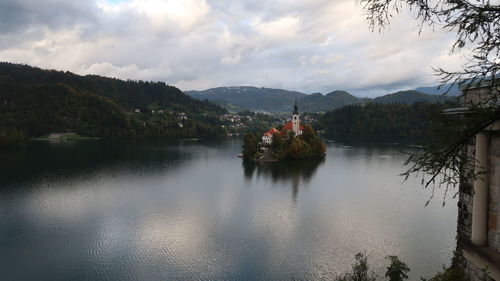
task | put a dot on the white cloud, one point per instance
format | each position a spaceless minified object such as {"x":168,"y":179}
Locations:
{"x":280,"y":29}
{"x":306,"y":45}
{"x":184,"y":13}
{"x":230,"y":60}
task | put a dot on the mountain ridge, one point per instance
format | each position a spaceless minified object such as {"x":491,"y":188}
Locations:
{"x":448,"y":89}
{"x":279,"y":100}
{"x":253,"y":98}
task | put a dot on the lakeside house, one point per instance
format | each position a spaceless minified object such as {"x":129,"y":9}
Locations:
{"x":478,"y":229}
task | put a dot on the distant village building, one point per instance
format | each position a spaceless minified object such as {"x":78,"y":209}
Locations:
{"x":478,"y":245}
{"x":295,"y":125}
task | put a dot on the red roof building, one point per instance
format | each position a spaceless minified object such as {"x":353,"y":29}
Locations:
{"x":289,"y":126}
{"x":271,"y":132}
{"x":295,"y":125}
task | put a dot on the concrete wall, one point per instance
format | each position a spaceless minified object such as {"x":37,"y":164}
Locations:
{"x":494,"y":192}
{"x":471,"y":263}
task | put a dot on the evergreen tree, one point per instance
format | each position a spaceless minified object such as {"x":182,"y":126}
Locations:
{"x":250,"y":146}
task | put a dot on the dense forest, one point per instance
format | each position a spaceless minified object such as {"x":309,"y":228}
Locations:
{"x":35,"y":102}
{"x":382,"y":120}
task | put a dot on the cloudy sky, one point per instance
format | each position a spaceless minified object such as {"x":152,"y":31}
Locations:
{"x":304,"y":45}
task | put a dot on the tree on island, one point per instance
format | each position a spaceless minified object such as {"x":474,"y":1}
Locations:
{"x":286,"y":145}
{"x":250,"y":145}
{"x":477,"y":28}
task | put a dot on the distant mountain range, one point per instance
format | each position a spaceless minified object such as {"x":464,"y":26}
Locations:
{"x":440,"y":90}
{"x":318,"y":102}
{"x":252,"y":98}
{"x":278,"y":100}
{"x":412,"y":96}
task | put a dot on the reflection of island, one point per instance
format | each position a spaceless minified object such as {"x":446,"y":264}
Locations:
{"x":295,"y":172}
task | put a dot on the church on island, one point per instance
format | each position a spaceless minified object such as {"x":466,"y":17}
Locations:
{"x":276,"y":145}
{"x":295,"y":125}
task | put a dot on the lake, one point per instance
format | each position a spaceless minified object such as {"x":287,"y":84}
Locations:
{"x":188,"y":210}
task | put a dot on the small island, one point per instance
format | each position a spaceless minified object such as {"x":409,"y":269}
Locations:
{"x":293,"y":142}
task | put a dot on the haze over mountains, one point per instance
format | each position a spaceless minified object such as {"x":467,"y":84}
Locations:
{"x":279,"y":100}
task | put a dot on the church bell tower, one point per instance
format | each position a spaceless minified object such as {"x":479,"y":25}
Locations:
{"x":296,"y":120}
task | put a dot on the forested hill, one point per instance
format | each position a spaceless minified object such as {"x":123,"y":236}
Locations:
{"x":129,"y":94}
{"x":34,"y":102}
{"x":318,"y":102}
{"x":252,"y":98}
{"x":382,"y":120}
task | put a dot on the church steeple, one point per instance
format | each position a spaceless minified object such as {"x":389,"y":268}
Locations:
{"x":295,"y":119}
{"x":295,"y":108}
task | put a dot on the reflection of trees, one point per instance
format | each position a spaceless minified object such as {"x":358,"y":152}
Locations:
{"x":83,"y":157}
{"x":295,"y":172}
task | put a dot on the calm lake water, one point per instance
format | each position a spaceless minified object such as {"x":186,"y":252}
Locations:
{"x":121,"y":211}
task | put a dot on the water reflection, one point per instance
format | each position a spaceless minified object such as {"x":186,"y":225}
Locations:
{"x":46,"y":160}
{"x":295,"y":172}
{"x":191,"y":211}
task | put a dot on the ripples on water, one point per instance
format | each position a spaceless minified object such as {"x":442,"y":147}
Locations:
{"x":194,"y":211}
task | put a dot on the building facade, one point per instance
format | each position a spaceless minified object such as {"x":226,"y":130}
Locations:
{"x":478,"y":229}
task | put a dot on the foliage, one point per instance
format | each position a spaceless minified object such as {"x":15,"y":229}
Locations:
{"x":286,"y":145}
{"x":318,"y":148}
{"x":35,"y":102}
{"x":397,"y":270}
{"x":360,"y":270}
{"x":298,"y":149}
{"x":381,"y":120}
{"x":258,"y":123}
{"x":448,"y":274}
{"x":476,"y":25}
{"x":278,"y":149}
{"x":445,"y":162}
{"x":250,"y":145}
{"x":10,"y":136}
